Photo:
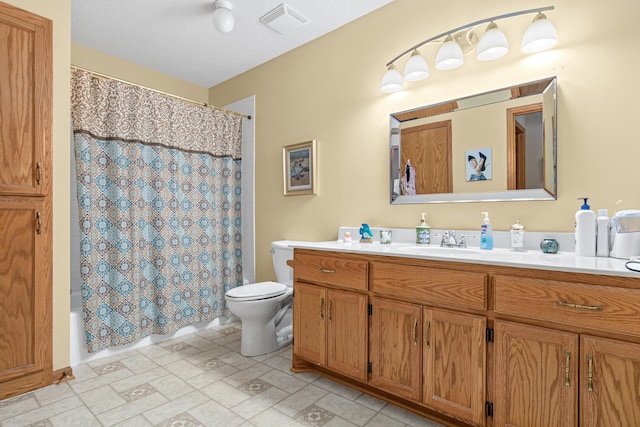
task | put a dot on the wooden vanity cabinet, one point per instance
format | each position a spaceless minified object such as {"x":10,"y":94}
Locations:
{"x":331,"y":324}
{"x":563,"y":375}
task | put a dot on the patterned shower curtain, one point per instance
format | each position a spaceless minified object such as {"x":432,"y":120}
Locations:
{"x":159,"y":201}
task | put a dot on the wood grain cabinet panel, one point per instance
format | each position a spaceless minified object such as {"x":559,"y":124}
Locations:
{"x":610,"y":383}
{"x":454,"y":350}
{"x":536,"y":376}
{"x":573,"y":303}
{"x":25,"y":102}
{"x":344,"y":272}
{"x":309,"y":305}
{"x":432,"y":286}
{"x":396,"y":351}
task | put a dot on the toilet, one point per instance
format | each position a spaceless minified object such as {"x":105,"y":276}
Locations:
{"x":265,"y":308}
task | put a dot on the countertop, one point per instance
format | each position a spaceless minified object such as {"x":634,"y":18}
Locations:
{"x":562,"y":261}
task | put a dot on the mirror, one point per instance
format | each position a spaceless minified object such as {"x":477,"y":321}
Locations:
{"x":499,"y":145}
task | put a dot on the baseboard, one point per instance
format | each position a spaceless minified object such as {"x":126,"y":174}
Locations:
{"x":62,"y":375}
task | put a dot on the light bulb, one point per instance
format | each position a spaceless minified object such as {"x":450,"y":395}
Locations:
{"x":449,"y":55}
{"x":493,"y":44}
{"x":541,"y":35}
{"x":392,"y":80}
{"x":222,"y":17}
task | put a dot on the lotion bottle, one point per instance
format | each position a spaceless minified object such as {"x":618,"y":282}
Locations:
{"x":602,"y":233}
{"x":517,"y":236}
{"x":486,"y":234}
{"x":585,"y":234}
{"x":423,"y":232}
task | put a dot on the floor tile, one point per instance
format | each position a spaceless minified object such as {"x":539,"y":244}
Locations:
{"x":212,"y":414}
{"x":370,"y":402}
{"x":131,"y":409}
{"x":101,"y":399}
{"x":43,"y":413}
{"x":301,"y":400}
{"x":17,"y":405}
{"x":141,"y":378}
{"x":409,"y":418}
{"x":272,"y":417}
{"x":314,"y":416}
{"x":168,"y":410}
{"x":225,"y":394}
{"x":138,"y":363}
{"x":380,"y":420}
{"x":214,"y":375}
{"x":183,"y":369}
{"x":242,"y":376}
{"x":347,"y":409}
{"x":78,"y":417}
{"x":339,"y":389}
{"x":80,"y":386}
{"x":258,"y":403}
{"x":283,"y":381}
{"x":53,"y":393}
{"x":137,"y":421}
{"x":171,"y":386}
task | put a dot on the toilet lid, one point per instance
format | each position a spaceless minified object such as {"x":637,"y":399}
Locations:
{"x":255,"y":291}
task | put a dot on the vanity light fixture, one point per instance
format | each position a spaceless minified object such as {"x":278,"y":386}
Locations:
{"x":540,"y":35}
{"x":222,"y":17}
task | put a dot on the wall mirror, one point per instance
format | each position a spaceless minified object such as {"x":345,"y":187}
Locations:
{"x":498,"y":145}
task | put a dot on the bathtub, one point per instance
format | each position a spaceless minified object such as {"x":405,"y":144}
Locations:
{"x":78,"y":349}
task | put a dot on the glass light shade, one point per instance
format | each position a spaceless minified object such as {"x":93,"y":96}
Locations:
{"x":222,"y":17}
{"x":449,"y":55}
{"x":416,"y":68}
{"x":541,"y":35}
{"x":392,"y":80}
{"x":493,"y":44}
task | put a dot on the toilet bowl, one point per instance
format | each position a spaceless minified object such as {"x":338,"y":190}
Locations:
{"x":265,"y":308}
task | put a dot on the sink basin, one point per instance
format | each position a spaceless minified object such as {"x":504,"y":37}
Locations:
{"x":437,"y":250}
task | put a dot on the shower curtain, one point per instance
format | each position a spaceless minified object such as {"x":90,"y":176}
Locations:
{"x":159,"y":201}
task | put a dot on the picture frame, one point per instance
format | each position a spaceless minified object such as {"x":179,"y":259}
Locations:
{"x":478,"y":164}
{"x":299,"y":168}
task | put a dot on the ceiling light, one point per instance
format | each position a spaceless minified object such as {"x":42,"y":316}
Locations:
{"x":416,"y":68}
{"x":493,"y":44}
{"x":455,"y":43}
{"x":449,"y":55}
{"x":541,"y":35}
{"x":222,"y":17}
{"x":392,"y":80}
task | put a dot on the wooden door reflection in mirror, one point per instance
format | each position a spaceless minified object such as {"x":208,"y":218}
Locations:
{"x":525,"y":147}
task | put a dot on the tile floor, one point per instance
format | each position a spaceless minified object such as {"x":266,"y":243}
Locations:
{"x":199,"y":380}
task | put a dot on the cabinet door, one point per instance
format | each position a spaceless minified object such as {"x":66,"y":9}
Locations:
{"x":347,"y":336}
{"x":25,"y":298}
{"x":610,"y":382}
{"x":536,"y":379}
{"x":396,"y":331}
{"x":25,"y":102}
{"x":454,"y":350}
{"x":309,"y":308}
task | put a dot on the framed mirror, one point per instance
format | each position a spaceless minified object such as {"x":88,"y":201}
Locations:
{"x":494,"y":146}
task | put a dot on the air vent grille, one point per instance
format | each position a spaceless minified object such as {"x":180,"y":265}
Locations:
{"x":284,"y":19}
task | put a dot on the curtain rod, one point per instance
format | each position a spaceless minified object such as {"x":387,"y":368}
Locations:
{"x":204,"y":104}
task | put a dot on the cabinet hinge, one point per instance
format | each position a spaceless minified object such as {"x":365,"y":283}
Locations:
{"x":488,"y":409}
{"x":489,"y":335}
{"x":370,"y":309}
{"x":369,"y":367}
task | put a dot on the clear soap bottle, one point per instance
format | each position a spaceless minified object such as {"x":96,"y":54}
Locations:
{"x":517,"y":236}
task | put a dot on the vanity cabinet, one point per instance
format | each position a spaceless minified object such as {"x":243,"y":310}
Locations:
{"x":472,"y":344}
{"x":544,"y":375}
{"x":330,"y":323}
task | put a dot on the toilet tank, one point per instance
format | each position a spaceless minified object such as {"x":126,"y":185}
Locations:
{"x":281,"y":252}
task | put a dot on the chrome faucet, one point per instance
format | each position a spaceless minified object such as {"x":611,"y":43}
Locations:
{"x":449,"y":240}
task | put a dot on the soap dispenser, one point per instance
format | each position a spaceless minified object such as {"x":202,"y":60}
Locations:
{"x":585,"y":230}
{"x":486,"y":234}
{"x":517,"y":236}
{"x":423,"y":232}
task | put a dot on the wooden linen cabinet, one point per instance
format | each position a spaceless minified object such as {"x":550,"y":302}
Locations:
{"x":25,"y":201}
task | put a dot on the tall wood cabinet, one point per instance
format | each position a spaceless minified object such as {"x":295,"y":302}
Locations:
{"x":25,"y":201}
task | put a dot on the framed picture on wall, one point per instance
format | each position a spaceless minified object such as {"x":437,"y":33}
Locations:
{"x":478,"y":164}
{"x":299,"y":168}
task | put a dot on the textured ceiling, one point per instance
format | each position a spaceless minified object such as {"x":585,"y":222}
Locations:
{"x":177,"y":37}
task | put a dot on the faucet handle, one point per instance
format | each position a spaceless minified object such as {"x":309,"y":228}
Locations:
{"x":445,"y":238}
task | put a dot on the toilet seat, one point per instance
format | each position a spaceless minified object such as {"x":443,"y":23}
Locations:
{"x":257,"y":291}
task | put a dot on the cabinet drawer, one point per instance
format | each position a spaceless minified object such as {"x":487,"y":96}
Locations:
{"x":344,"y":272}
{"x":430,"y":285}
{"x":578,"y":304}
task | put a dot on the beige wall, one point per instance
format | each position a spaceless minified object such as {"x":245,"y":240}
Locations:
{"x":328,"y":90}
{"x":59,"y":12}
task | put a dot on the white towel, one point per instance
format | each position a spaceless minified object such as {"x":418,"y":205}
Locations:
{"x":287,"y":330}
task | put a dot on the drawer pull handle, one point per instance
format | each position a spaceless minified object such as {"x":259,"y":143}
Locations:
{"x":415,"y":328}
{"x":582,"y":307}
{"x":322,"y":308}
{"x":326,"y":270}
{"x":590,"y":373}
{"x":567,"y":354}
{"x":329,"y":310}
{"x":427,"y":340}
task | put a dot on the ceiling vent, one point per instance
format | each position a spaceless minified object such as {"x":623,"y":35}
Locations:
{"x":284,"y":19}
